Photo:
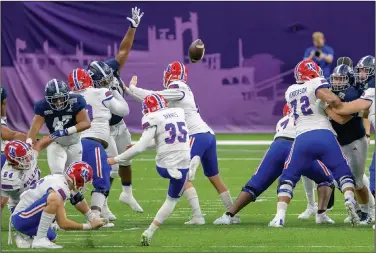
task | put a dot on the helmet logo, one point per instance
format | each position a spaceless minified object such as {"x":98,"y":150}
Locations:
{"x":310,"y":66}
{"x":85,"y":174}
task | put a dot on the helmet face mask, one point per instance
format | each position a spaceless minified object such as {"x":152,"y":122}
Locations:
{"x":365,"y":69}
{"x":57,"y":94}
{"x":341,"y":78}
{"x":58,"y":102}
{"x":20,"y":155}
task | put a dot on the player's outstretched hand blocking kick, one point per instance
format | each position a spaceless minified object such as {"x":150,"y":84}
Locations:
{"x":136,"y":17}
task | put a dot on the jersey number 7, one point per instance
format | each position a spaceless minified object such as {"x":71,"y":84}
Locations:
{"x":171,"y":127}
{"x":304,"y":106}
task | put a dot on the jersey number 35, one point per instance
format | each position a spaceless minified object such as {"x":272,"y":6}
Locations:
{"x":182,"y":135}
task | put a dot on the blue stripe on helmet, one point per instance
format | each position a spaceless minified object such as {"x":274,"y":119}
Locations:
{"x":159,"y":100}
{"x":75,"y":79}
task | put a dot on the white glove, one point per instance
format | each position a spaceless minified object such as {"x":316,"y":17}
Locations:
{"x":136,"y":17}
{"x":322,"y":104}
{"x":175,"y":173}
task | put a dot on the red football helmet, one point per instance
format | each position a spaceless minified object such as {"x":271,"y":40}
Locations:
{"x":79,"y":174}
{"x":307,"y":70}
{"x":286,"y":110}
{"x":175,"y":71}
{"x":153,"y":103}
{"x":20,"y":155}
{"x":79,"y":79}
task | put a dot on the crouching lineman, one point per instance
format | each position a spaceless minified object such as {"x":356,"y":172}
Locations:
{"x":65,"y":117}
{"x":165,"y":128}
{"x":315,"y":140}
{"x":44,"y":202}
{"x":101,"y":102}
{"x":364,"y":106}
{"x":271,"y":168}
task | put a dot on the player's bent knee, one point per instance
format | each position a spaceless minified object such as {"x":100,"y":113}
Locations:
{"x":103,"y":191}
{"x":346,"y":182}
{"x":251,"y":191}
{"x":285,"y":189}
{"x":325,"y":184}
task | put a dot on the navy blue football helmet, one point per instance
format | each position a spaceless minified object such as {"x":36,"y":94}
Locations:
{"x":342,"y":78}
{"x":101,"y":73}
{"x":57,"y":94}
{"x":365,"y":69}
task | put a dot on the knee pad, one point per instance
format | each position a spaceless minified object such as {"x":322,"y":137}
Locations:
{"x":345,"y":182}
{"x":193,"y":165}
{"x":285,"y":189}
{"x":103,"y":191}
{"x":76,"y":198}
{"x":251,"y":191}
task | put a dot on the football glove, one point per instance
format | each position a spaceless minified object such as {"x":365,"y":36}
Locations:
{"x":59,"y":133}
{"x":136,"y":17}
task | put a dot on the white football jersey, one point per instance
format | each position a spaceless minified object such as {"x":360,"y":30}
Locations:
{"x":99,"y":114}
{"x":14,"y":182}
{"x":56,"y":182}
{"x":302,"y":101}
{"x":179,"y":95}
{"x":171,"y":137}
{"x":369,"y":94}
{"x":285,"y":127}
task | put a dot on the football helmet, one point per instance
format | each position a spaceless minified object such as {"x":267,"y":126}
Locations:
{"x":153,"y":103}
{"x":79,"y":79}
{"x":365,"y":69}
{"x":20,"y":155}
{"x":341,"y":78}
{"x":79,"y":174}
{"x":57,"y":94}
{"x":101,"y":73}
{"x":307,"y":70}
{"x":175,"y":71}
{"x":286,"y":110}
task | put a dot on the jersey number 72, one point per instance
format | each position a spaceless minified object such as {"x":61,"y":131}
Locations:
{"x":304,"y":106}
{"x":171,"y":127}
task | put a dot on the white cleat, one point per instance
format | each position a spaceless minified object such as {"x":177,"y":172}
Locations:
{"x":373,"y":227}
{"x":323,"y":218}
{"x":347,"y":220}
{"x":108,"y":225}
{"x":196,"y":220}
{"x":223,"y":220}
{"x":22,"y":242}
{"x":309,"y":212}
{"x":44,"y":243}
{"x":107,"y":214}
{"x":130,"y":201}
{"x":277,"y":222}
{"x":235,"y":219}
{"x":351,"y":211}
{"x":146,"y":238}
{"x":55,"y":226}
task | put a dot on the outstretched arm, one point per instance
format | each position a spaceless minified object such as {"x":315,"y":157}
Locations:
{"x":352,"y":107}
{"x":327,"y":96}
{"x":36,"y":125}
{"x":117,"y":105}
{"x":8,"y":134}
{"x":340,"y":119}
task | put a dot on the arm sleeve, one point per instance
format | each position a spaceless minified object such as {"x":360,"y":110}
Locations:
{"x":116,"y":103}
{"x":145,"y":141}
{"x":168,"y":94}
{"x":81,"y":103}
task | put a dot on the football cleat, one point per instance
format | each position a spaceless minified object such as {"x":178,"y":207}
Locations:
{"x":235,"y":219}
{"x":365,"y":219}
{"x":277,"y":222}
{"x":146,"y":238}
{"x":22,"y":242}
{"x":309,"y":212}
{"x":196,"y":220}
{"x":223,"y":220}
{"x":130,"y":201}
{"x":44,"y":243}
{"x":351,"y":211}
{"x":323,"y":218}
{"x":107,"y":214}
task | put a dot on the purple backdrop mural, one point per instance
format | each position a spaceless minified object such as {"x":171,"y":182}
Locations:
{"x":251,"y":50}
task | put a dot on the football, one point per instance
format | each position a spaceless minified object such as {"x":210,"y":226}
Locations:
{"x":196,"y":51}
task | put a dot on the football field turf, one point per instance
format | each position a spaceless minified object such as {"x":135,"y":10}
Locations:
{"x":237,"y":164}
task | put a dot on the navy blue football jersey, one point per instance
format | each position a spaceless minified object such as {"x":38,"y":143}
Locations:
{"x":59,"y":120}
{"x":115,"y":119}
{"x":3,"y":94}
{"x":353,"y":129}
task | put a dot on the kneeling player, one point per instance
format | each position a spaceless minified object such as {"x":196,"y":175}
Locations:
{"x":44,"y":202}
{"x":165,"y":128}
{"x":271,"y":168}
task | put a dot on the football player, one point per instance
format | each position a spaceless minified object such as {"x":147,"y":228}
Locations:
{"x":109,"y":77}
{"x":65,"y":117}
{"x":315,"y":139}
{"x":271,"y":168}
{"x":202,"y":138}
{"x":365,"y":72}
{"x":100,"y":103}
{"x":44,"y":202}
{"x":164,"y":128}
{"x":364,"y":106}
